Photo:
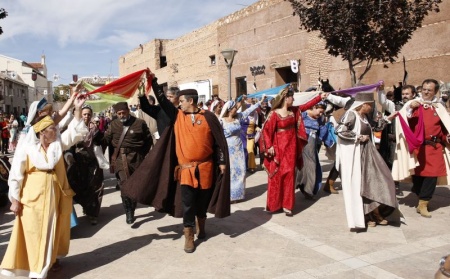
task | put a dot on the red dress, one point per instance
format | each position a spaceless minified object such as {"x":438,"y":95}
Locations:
{"x":431,"y":159}
{"x":288,"y":137}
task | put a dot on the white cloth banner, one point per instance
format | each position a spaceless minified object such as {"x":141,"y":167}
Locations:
{"x":294,"y":66}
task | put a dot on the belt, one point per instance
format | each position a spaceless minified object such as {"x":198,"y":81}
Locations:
{"x":433,"y":141}
{"x":285,"y":129}
{"x":47,"y":171}
{"x":177,"y":171}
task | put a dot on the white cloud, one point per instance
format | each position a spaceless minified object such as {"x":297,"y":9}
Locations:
{"x":84,"y":36}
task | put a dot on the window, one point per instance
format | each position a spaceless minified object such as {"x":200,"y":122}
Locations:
{"x":241,"y":86}
{"x":212,"y":59}
{"x":162,"y":62}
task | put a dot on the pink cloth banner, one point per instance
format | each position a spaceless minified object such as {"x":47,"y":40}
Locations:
{"x":416,"y":138}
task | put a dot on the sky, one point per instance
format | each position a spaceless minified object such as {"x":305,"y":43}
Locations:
{"x":87,"y":37}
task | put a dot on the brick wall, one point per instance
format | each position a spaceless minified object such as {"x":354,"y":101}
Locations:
{"x":267,"y":34}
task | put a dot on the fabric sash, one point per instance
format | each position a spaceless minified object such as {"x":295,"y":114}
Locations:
{"x":414,"y":139}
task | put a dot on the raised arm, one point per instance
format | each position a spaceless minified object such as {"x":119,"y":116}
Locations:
{"x":313,"y":102}
{"x":165,"y":104}
{"x":251,"y":109}
{"x":63,"y":111}
{"x":151,"y":110}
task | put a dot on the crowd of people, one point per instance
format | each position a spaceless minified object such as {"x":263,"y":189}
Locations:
{"x":187,"y":159}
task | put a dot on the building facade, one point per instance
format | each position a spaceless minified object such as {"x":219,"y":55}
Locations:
{"x":20,"y":73}
{"x":13,"y":95}
{"x":267,"y":37}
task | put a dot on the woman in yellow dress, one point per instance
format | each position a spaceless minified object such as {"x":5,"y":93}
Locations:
{"x":41,"y":198}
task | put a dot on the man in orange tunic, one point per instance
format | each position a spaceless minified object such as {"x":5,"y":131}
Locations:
{"x":194,"y":152}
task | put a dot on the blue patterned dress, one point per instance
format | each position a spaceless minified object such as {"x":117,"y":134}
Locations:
{"x":232,"y":131}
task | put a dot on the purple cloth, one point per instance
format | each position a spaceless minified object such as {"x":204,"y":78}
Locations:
{"x":355,"y":90}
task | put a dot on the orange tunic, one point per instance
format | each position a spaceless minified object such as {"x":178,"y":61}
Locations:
{"x":194,"y":146}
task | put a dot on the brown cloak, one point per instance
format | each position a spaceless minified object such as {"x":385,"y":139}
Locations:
{"x":153,"y":184}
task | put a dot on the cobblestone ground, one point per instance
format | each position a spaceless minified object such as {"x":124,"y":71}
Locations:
{"x":251,"y":243}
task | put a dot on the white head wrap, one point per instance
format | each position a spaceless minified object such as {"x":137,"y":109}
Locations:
{"x":227,"y":107}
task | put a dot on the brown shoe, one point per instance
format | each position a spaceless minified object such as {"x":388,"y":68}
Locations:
{"x":189,"y":245}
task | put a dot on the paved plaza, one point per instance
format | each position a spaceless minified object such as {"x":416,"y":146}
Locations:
{"x":251,"y":243}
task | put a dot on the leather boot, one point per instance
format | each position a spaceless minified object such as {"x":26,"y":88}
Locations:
{"x":200,"y":227}
{"x":422,"y":208}
{"x":129,"y":211}
{"x":189,"y":245}
{"x":329,"y":187}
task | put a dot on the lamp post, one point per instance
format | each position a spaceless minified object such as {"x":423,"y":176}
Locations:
{"x":228,"y":54}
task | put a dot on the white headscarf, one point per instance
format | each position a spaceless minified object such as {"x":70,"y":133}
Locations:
{"x":227,"y":107}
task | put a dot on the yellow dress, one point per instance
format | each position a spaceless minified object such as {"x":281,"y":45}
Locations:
{"x":41,"y":232}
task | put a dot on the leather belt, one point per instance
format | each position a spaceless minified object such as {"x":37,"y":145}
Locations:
{"x":433,"y":141}
{"x":177,"y":171}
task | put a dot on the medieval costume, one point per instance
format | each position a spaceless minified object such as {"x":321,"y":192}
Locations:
{"x":174,"y":172}
{"x":367,"y":182}
{"x":38,"y":180}
{"x":340,"y":105}
{"x":131,"y":140}
{"x":248,"y":133}
{"x":309,"y":178}
{"x":85,"y":175}
{"x":287,"y":135}
{"x":422,"y":153}
{"x":232,"y":132}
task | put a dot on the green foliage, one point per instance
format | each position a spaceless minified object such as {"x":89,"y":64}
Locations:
{"x":363,"y":30}
{"x":3,"y":14}
{"x":57,"y":97}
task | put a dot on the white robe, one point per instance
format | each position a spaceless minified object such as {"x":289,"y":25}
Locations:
{"x":348,"y":163}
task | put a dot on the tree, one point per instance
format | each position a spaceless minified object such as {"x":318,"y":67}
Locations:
{"x":57,"y":96}
{"x":3,"y":14}
{"x":363,"y":31}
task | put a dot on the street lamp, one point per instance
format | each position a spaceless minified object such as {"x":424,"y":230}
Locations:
{"x":228,"y":54}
